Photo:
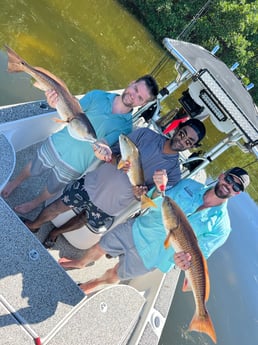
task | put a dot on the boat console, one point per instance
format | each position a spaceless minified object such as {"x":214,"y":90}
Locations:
{"x":214,"y":91}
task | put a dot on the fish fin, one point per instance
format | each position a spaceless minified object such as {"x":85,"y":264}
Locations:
{"x":56,"y":119}
{"x":52,"y":76}
{"x":167,"y":241}
{"x":40,"y":86}
{"x":121,"y":164}
{"x":186,"y":286}
{"x":84,"y":121}
{"x":207,"y":279}
{"x":147,"y":202}
{"x":203,"y":324}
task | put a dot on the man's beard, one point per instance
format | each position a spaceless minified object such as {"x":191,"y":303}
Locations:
{"x":129,"y":103}
{"x":219,"y":193}
{"x":173,"y":145}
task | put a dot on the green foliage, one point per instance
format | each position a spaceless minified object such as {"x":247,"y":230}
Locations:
{"x":233,"y":24}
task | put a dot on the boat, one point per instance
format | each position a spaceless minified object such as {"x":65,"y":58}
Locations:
{"x":40,"y":302}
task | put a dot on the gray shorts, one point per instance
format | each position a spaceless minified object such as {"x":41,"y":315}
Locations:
{"x":119,"y":242}
{"x":53,"y":184}
{"x":47,"y":160}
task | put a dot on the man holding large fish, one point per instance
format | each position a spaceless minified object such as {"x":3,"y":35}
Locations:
{"x":143,"y":244}
{"x":68,"y":153}
{"x":107,"y":191}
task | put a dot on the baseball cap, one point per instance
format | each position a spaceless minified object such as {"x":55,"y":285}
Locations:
{"x":241,"y":174}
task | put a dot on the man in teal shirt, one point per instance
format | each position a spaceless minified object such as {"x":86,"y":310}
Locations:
{"x":139,"y":242}
{"x":67,"y":158}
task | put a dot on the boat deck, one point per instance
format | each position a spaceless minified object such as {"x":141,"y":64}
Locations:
{"x":40,"y":302}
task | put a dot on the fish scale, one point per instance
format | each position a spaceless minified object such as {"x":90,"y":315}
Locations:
{"x":130,"y":153}
{"x":68,"y":106}
{"x":182,"y":238}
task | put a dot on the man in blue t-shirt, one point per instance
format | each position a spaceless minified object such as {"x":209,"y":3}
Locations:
{"x":139,"y":242}
{"x":67,"y":158}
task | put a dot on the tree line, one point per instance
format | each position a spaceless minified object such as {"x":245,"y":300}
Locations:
{"x":231,"y":24}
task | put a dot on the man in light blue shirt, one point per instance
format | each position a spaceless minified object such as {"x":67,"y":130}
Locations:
{"x":66,"y":158}
{"x":139,"y":242}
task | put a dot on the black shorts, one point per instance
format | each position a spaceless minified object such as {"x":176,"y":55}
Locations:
{"x":75,"y":195}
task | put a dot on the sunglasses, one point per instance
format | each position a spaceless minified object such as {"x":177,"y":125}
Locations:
{"x":237,"y":187}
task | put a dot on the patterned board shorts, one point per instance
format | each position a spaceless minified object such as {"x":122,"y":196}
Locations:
{"x":75,"y":195}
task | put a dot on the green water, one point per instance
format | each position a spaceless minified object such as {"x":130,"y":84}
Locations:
{"x":90,"y":45}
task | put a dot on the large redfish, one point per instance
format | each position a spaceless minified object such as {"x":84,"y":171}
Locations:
{"x":182,"y":238}
{"x":68,"y":106}
{"x":130,"y":153}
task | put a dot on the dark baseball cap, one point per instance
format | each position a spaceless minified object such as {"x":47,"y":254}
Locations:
{"x":241,"y":174}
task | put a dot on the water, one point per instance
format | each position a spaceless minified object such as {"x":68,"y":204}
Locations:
{"x":97,"y":44}
{"x":85,"y":43}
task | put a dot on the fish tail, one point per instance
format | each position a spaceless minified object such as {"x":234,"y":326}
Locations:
{"x":203,"y":324}
{"x":147,"y":202}
{"x":15,"y":62}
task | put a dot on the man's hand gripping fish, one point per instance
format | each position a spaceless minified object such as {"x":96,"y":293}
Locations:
{"x":182,"y":238}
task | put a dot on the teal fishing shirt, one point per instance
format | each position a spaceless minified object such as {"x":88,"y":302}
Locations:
{"x":97,"y":105}
{"x":211,"y":225}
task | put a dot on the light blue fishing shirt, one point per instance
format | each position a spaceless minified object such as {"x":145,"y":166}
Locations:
{"x":97,"y":105}
{"x":211,"y":225}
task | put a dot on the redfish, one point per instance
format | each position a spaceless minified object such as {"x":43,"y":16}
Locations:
{"x":130,"y":153}
{"x":68,"y":106}
{"x":182,"y":238}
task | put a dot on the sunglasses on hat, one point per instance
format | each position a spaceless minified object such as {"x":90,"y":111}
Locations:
{"x":237,"y":187}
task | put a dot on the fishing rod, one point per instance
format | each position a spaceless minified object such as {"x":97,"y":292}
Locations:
{"x":183,"y":34}
{"x":247,"y":165}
